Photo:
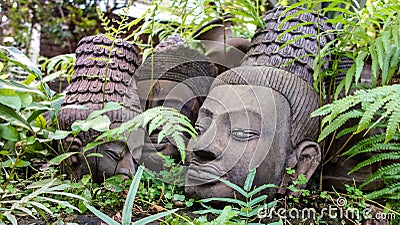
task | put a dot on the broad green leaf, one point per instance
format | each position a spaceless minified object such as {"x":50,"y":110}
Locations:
{"x":9,"y":84}
{"x":9,"y":98}
{"x":58,"y":159}
{"x":59,"y":134}
{"x":109,"y":106}
{"x":100,"y":123}
{"x":15,"y":56}
{"x":13,"y":163}
{"x":41,"y":122}
{"x":8,"y":114}
{"x":25,"y":98}
{"x":9,"y":132}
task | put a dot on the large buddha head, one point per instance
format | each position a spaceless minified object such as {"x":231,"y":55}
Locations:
{"x":175,"y":76}
{"x":258,"y":116}
{"x":94,"y":83}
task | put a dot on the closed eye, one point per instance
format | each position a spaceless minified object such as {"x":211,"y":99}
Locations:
{"x":113,"y":155}
{"x":244,"y":134}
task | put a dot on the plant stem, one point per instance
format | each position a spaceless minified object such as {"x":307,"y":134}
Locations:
{"x":19,"y":154}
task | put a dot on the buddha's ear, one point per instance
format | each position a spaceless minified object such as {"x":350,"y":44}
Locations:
{"x":304,"y":160}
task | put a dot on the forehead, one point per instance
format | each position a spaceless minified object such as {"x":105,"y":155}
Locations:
{"x":165,"y":89}
{"x":255,"y":99}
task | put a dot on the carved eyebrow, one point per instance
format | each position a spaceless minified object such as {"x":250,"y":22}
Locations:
{"x":206,"y":112}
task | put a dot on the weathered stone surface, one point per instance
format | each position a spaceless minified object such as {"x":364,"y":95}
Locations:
{"x":296,"y":57}
{"x":175,"y":76}
{"x":258,"y":115}
{"x":99,"y":77}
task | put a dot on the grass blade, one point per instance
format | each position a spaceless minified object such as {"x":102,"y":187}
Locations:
{"x":101,"y":215}
{"x":127,"y":211}
{"x":154,"y":217}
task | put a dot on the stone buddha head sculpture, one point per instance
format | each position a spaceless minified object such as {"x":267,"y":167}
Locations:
{"x":92,"y":86}
{"x":258,"y":115}
{"x":175,"y":76}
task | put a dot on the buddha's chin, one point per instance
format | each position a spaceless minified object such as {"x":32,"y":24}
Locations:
{"x":209,"y":190}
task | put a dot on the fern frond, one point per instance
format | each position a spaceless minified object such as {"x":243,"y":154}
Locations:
{"x":383,"y":171}
{"x":346,"y":131}
{"x":392,"y":192}
{"x":371,"y":110}
{"x":360,"y":146}
{"x":377,"y":158}
{"x":338,"y":122}
{"x":393,"y":122}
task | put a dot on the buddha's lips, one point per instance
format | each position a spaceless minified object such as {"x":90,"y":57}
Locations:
{"x":151,"y":146}
{"x":154,"y":139}
{"x":202,"y":174}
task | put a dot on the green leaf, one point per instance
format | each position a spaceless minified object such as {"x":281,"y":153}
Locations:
{"x":109,"y":106}
{"x":374,"y":65}
{"x":380,"y":51}
{"x":18,"y":58}
{"x":9,"y":84}
{"x":94,"y":155}
{"x":393,"y":123}
{"x":10,"y":217}
{"x":26,"y":99}
{"x":349,"y":77}
{"x":58,"y":159}
{"x":101,"y":215}
{"x":338,"y":122}
{"x":261,"y":188}
{"x":359,"y":65}
{"x":257,"y":200}
{"x":59,"y":134}
{"x":249,"y":179}
{"x":127,"y":210}
{"x":152,"y":218}
{"x":232,"y":185}
{"x":9,"y":98}
{"x":81,"y":107}
{"x":91,"y":145}
{"x":8,"y":114}
{"x":9,"y":132}
{"x":100,"y":123}
{"x":227,"y":200}
{"x":34,"y":115}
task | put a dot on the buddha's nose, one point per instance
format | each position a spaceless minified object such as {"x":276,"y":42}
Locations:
{"x":127,"y":166}
{"x":208,"y":146}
